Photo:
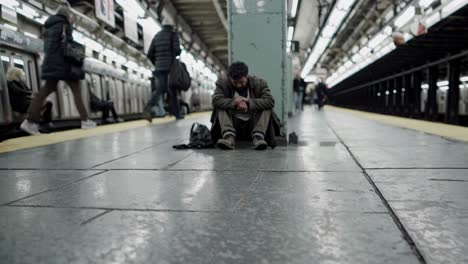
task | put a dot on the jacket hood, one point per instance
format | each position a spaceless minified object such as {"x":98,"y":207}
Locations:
{"x":52,"y":20}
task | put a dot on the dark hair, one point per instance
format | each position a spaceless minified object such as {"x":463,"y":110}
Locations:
{"x":238,"y":70}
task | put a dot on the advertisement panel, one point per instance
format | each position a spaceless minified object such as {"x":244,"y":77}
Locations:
{"x":130,"y":27}
{"x":105,"y":11}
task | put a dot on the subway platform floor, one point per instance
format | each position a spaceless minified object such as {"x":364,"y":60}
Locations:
{"x":353,"y":190}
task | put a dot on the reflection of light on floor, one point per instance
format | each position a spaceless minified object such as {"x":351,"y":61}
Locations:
{"x":133,"y":244}
{"x":23,"y":186}
{"x":195,"y":187}
{"x":100,"y":190}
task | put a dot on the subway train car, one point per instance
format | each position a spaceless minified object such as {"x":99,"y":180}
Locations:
{"x":128,"y":89}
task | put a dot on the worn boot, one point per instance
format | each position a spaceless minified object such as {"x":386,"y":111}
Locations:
{"x":228,"y":142}
{"x":259,"y":143}
{"x":147,"y":116}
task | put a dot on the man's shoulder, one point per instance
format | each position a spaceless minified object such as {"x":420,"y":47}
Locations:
{"x":222,"y":81}
{"x":257,"y":81}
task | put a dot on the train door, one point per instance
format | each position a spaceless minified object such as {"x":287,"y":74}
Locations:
{"x":63,"y":96}
{"x":441,"y":101}
{"x":96,"y":89}
{"x":463,"y":102}
{"x":5,"y":115}
{"x":135,"y":97}
{"x":25,"y":62}
{"x":126,"y":89}
{"x":120,"y":97}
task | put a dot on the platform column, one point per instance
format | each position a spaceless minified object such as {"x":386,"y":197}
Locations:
{"x":453,"y":94}
{"x":431,"y":107}
{"x":257,"y":36}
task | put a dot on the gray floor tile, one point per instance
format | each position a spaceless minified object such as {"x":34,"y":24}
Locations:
{"x":432,"y":205}
{"x":161,"y":237}
{"x":321,"y":236}
{"x":436,"y":156}
{"x":162,"y":190}
{"x":440,"y":231}
{"x":16,"y":184}
{"x":157,"y":157}
{"x":310,"y":158}
{"x":283,"y":194}
{"x":46,"y":235}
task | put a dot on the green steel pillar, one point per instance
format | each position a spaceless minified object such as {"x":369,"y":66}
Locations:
{"x":257,"y":36}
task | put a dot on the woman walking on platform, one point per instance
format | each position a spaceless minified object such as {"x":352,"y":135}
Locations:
{"x":57,"y":32}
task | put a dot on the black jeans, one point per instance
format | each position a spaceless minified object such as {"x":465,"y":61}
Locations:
{"x":161,"y":87}
{"x":49,"y":87}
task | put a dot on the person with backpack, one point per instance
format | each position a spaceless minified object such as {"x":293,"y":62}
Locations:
{"x":164,"y":48}
{"x":243,"y":107}
{"x":56,"y":67}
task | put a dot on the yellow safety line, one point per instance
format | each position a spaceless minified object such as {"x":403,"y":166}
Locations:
{"x":62,"y":136}
{"x":439,"y":129}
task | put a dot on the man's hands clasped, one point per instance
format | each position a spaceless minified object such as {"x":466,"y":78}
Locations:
{"x":241,"y":103}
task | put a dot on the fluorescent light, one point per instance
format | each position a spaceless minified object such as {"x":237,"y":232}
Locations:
{"x":27,"y":11}
{"x":464,"y":79}
{"x":10,"y":27}
{"x":405,"y":17}
{"x":294,"y":5}
{"x":425,"y":3}
{"x":443,"y":88}
{"x":453,"y":6}
{"x":290,"y":33}
{"x":30,"y":35}
{"x":376,"y":40}
{"x":9,"y":3}
{"x":432,"y":19}
{"x":338,"y":14}
{"x":442,"y":83}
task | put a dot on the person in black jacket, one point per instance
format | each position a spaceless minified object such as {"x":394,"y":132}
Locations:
{"x":321,"y":91}
{"x":164,"y":48}
{"x":299,"y":86}
{"x":55,"y":67}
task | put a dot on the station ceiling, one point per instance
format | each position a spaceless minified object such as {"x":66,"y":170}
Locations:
{"x":205,"y":19}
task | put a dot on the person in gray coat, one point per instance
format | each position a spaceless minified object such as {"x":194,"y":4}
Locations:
{"x":56,"y":68}
{"x":164,"y":48}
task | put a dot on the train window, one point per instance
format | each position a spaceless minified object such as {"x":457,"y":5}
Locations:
{"x":32,"y":76}
{"x":18,"y":64}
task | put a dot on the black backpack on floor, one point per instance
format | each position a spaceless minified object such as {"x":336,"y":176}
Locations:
{"x":200,"y":137}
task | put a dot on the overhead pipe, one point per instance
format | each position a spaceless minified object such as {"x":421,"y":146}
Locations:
{"x":219,"y":10}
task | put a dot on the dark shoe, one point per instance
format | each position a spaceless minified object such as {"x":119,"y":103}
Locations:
{"x":259,"y":143}
{"x":227,"y":143}
{"x":148,"y":117}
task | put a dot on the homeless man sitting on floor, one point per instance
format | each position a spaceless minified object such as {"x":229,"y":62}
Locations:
{"x":242,"y":109}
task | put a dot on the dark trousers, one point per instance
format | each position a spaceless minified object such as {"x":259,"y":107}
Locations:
{"x":161,"y":87}
{"x":256,"y":125}
{"x":34,"y":113}
{"x":105,"y":107}
{"x":47,"y":112}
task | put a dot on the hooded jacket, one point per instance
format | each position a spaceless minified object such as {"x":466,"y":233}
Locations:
{"x":165,"y":46}
{"x":55,"y":67}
